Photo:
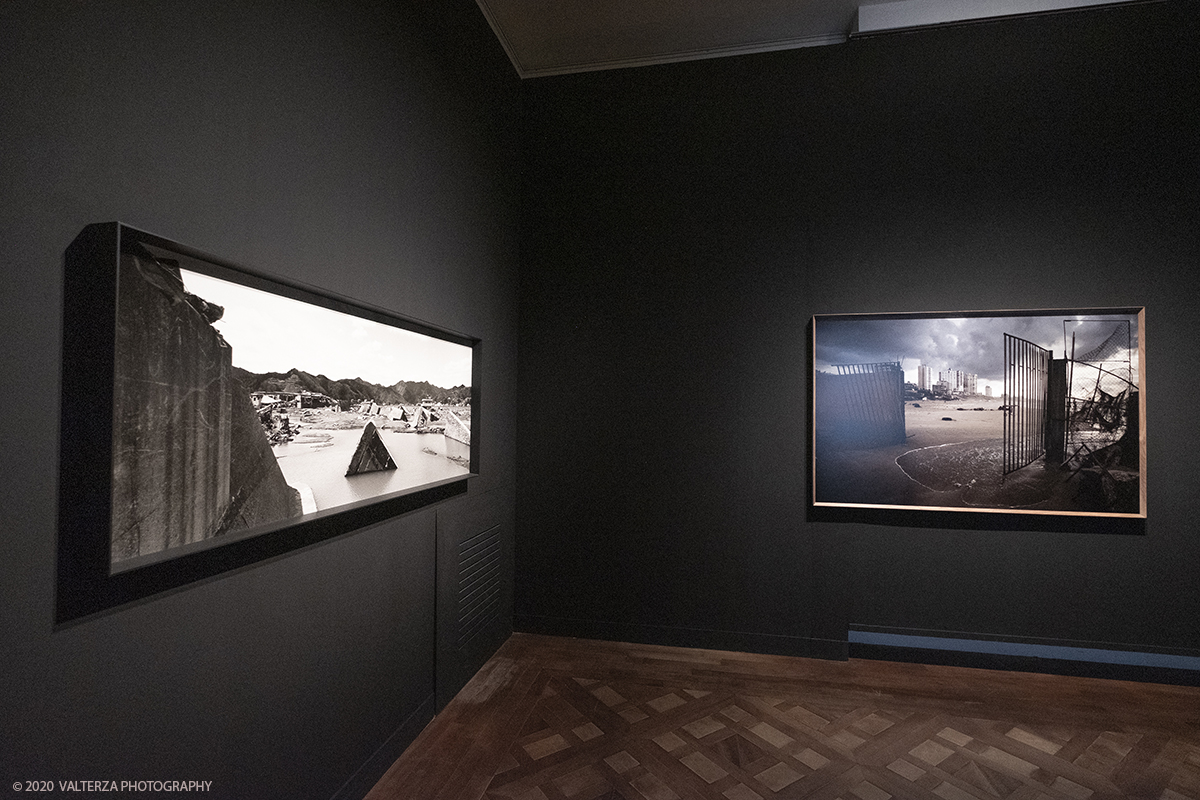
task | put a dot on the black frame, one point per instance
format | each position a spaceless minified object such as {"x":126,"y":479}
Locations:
{"x":86,"y":582}
{"x":918,"y":514}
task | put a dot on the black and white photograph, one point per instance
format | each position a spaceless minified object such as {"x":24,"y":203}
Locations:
{"x":239,"y":410}
{"x":1021,"y":412}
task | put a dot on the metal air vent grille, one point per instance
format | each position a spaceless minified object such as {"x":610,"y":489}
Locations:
{"x":479,"y":583}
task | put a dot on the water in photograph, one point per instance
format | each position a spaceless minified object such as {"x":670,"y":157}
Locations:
{"x":319,"y":458}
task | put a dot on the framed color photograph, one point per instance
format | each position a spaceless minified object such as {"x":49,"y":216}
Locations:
{"x":1024,"y":412}
{"x":214,"y":416}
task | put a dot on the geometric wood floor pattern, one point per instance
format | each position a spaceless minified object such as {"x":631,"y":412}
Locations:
{"x":549,"y":718}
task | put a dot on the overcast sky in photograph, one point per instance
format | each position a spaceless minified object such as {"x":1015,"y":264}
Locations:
{"x":971,"y":344}
{"x":270,"y":333}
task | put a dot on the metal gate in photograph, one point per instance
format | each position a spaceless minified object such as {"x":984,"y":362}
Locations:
{"x":1026,"y":382}
{"x":872,"y":398}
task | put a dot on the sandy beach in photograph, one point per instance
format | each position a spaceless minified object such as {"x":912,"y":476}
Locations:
{"x":951,"y":457}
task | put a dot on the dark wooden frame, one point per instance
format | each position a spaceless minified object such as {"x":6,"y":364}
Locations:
{"x":86,"y":584}
{"x":918,"y":514}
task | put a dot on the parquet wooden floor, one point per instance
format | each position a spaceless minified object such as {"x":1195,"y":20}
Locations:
{"x":564,"y":719}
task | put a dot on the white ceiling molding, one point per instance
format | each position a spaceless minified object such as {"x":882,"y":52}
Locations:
{"x":556,"y":37}
{"x":901,"y":15}
{"x":683,"y":55}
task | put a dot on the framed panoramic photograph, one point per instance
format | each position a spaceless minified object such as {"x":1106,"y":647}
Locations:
{"x":214,"y":416}
{"x":1023,"y":412}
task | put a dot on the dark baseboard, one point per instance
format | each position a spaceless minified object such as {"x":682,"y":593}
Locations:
{"x":1024,"y":663}
{"x":738,"y":641}
{"x":365,"y":778}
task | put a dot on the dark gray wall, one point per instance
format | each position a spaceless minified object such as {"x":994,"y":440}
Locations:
{"x":366,"y":148}
{"x":684,"y":222}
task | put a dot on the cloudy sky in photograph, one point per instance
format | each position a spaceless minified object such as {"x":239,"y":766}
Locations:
{"x":971,"y":344}
{"x":269,"y":333}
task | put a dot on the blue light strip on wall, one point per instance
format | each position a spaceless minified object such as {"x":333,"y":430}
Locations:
{"x":1061,"y":652}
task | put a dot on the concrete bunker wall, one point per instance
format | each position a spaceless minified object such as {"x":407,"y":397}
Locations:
{"x":190,"y":461}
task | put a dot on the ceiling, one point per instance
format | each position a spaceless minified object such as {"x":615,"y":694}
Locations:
{"x":554,"y":37}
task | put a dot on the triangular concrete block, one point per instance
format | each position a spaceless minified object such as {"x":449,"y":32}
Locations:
{"x":371,"y":455}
